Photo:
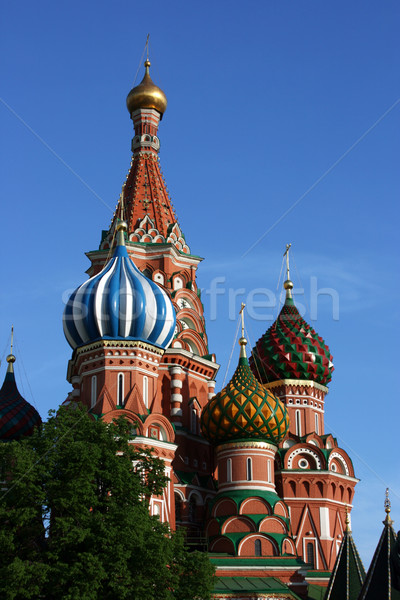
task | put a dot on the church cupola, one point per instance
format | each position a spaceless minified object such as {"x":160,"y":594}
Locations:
{"x":293,"y":361}
{"x":245,"y":422}
{"x":244,"y":409}
{"x":18,"y":418}
{"x":119,"y":303}
{"x":146,"y":95}
{"x":290,"y":348}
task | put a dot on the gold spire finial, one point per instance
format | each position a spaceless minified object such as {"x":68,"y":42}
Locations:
{"x":288,"y":284}
{"x":122,"y":225}
{"x":146,"y":95}
{"x":242,"y":340}
{"x":387,"y":507}
{"x":347,"y":519}
{"x":147,"y":62}
{"x":11,"y":358}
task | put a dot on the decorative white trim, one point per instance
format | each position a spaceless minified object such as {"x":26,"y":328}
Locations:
{"x":324,"y":522}
{"x":326,"y":471}
{"x":177,"y":383}
{"x":176,"y":398}
{"x":340,"y":459}
{"x":297,"y":383}
{"x":145,"y":441}
{"x":304,"y":451}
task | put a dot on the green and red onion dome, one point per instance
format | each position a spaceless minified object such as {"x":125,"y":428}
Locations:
{"x":18,"y":418}
{"x":291,"y":349}
{"x":244,"y":409}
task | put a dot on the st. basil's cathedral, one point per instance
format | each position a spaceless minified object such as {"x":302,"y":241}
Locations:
{"x":253,"y":477}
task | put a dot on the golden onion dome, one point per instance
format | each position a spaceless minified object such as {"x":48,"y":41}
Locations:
{"x":244,"y":409}
{"x":146,"y":95}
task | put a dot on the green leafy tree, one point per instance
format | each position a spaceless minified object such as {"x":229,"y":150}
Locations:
{"x":75,"y":522}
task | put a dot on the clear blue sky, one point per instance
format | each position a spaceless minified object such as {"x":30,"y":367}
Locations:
{"x":264,"y":98}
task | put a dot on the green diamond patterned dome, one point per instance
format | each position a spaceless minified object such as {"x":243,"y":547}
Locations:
{"x":291,"y":349}
{"x":244,"y":409}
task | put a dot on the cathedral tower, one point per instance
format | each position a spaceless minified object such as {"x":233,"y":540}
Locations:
{"x":160,"y":385}
{"x":313,"y":475}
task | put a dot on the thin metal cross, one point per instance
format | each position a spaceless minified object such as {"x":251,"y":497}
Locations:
{"x":241,"y":313}
{"x":286,"y":253}
{"x":12,"y":338}
{"x":122,"y":203}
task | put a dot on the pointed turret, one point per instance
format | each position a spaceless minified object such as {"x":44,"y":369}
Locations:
{"x":382,"y":577}
{"x":18,"y":418}
{"x":348,"y":573}
{"x":149,"y":212}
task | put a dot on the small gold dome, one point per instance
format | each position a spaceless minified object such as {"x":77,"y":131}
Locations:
{"x":10,"y":358}
{"x":146,"y":95}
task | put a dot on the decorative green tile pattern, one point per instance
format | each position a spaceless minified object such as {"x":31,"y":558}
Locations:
{"x":244,"y":409}
{"x":291,"y":349}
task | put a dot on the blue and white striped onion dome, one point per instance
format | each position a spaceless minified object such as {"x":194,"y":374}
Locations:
{"x":119,"y":303}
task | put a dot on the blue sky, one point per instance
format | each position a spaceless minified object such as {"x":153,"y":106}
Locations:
{"x":265,"y":101}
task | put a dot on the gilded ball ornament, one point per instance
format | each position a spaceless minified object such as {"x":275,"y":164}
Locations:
{"x":122,"y":226}
{"x":288,"y":285}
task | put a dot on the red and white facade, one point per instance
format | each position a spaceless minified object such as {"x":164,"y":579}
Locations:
{"x":163,"y":394}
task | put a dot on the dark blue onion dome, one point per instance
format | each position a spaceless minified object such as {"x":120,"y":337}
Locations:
{"x":18,"y":418}
{"x":119,"y":303}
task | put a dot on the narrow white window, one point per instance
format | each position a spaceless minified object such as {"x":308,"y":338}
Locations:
{"x":93,"y":397}
{"x":146,"y":391}
{"x":193,"y":425}
{"x":229,"y":470}
{"x":120,"y":390}
{"x":316,"y":424}
{"x":269,"y":471}
{"x":249,"y":470}
{"x":298,"y":423}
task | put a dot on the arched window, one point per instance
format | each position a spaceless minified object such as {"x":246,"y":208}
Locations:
{"x":229,"y":470}
{"x":269,"y":471}
{"x":192,"y":509}
{"x":178,"y":283}
{"x":93,"y":397}
{"x":249,"y":470}
{"x":310,"y":554}
{"x":316,"y":424}
{"x":120,"y":390}
{"x":146,"y":391}
{"x":159,"y":278}
{"x":178,"y":508}
{"x":298,"y":423}
{"x":257,"y":548}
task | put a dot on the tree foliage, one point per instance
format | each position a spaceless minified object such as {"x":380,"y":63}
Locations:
{"x":74,"y":519}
